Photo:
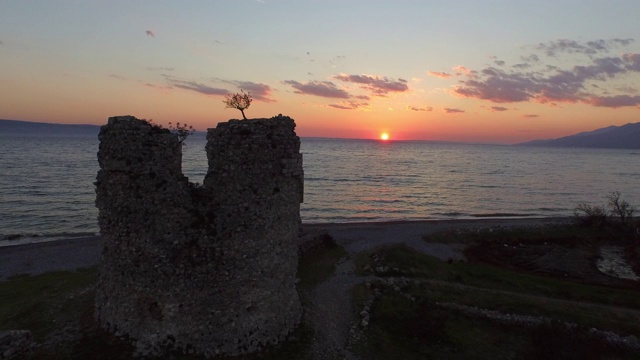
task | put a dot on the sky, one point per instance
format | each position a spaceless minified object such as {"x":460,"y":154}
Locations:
{"x":482,"y":71}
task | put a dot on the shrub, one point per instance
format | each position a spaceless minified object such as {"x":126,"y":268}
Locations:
{"x":182,"y":130}
{"x":621,"y":208}
{"x":591,"y":215}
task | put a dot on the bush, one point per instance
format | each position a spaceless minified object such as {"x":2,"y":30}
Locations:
{"x":591,"y":215}
{"x":621,"y":208}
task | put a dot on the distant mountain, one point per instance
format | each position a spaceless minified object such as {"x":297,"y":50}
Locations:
{"x":8,"y":127}
{"x":613,"y":137}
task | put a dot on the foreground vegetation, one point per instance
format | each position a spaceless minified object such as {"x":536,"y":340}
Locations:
{"x":500,"y":304}
{"x":527,"y":293}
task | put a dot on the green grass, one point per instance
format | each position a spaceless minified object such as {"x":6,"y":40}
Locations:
{"x":46,"y":303}
{"x":35,"y":302}
{"x":401,"y":328}
{"x":415,"y":265}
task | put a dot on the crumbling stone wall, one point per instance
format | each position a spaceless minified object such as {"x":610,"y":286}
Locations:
{"x":203,"y":269}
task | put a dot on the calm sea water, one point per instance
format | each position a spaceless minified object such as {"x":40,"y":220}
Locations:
{"x":46,"y":182}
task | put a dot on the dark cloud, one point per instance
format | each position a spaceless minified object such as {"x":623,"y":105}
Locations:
{"x":499,"y":108}
{"x":453,"y":111}
{"x":530,"y":58}
{"x":585,"y":82}
{"x":439,"y":74}
{"x":378,"y":85}
{"x":195,"y":86}
{"x":499,"y":62}
{"x":632,"y":61}
{"x":614,"y":101}
{"x":413,"y":108}
{"x":530,"y":116}
{"x":497,"y":86}
{"x":318,"y":88}
{"x":557,"y":47}
{"x":150,"y":33}
{"x":260,"y":92}
{"x":348,"y":105}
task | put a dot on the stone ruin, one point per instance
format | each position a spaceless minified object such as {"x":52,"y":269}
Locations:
{"x":205,"y":269}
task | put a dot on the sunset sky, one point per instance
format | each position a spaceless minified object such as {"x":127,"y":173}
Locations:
{"x":473,"y":71}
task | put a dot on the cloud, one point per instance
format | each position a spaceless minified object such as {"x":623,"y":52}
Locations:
{"x":260,"y":92}
{"x":499,"y":62}
{"x":349,"y":105}
{"x":195,"y":86}
{"x":462,"y":70}
{"x":585,"y":82}
{"x":530,"y":116}
{"x":160,"y":68}
{"x":554,"y":48}
{"x":318,"y":88}
{"x":378,"y":85}
{"x":150,"y":33}
{"x":116,"y":76}
{"x":499,"y":108}
{"x":614,"y":101}
{"x":439,"y":74}
{"x":453,"y":111}
{"x":413,"y":108}
{"x":1,"y":43}
{"x":530,"y":58}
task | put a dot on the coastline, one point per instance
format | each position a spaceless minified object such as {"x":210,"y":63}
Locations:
{"x":76,"y":252}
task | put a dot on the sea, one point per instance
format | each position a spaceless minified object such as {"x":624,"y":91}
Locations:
{"x":47,"y":179}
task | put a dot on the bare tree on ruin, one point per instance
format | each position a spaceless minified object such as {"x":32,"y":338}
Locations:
{"x":239,"y":101}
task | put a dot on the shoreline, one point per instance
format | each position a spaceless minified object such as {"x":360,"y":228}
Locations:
{"x":76,"y":252}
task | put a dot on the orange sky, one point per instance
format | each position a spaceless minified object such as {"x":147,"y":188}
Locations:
{"x":415,"y":70}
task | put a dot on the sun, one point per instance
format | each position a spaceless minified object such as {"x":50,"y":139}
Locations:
{"x":384,"y":136}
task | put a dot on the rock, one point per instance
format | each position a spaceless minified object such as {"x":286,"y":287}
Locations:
{"x":15,"y":344}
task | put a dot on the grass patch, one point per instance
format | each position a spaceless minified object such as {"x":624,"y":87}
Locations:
{"x":504,"y":275}
{"x":37,"y":303}
{"x":416,"y":265}
{"x":319,"y":264}
{"x":404,"y":329}
{"x":50,"y":304}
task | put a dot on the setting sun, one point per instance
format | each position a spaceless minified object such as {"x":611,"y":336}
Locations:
{"x":384,"y":136}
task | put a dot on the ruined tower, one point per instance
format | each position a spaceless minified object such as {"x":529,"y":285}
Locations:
{"x":206,"y":269}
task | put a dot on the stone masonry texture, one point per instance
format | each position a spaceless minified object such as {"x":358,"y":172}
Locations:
{"x":205,"y":269}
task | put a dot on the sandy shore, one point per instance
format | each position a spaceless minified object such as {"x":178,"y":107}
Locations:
{"x":74,"y":253}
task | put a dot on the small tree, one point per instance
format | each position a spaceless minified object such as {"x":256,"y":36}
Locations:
{"x":239,"y":101}
{"x":620,"y":207}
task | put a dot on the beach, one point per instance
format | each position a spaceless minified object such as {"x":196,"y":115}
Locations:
{"x":79,"y":252}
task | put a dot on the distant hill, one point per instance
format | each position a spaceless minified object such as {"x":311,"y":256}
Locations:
{"x":8,"y":127}
{"x":613,"y":137}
